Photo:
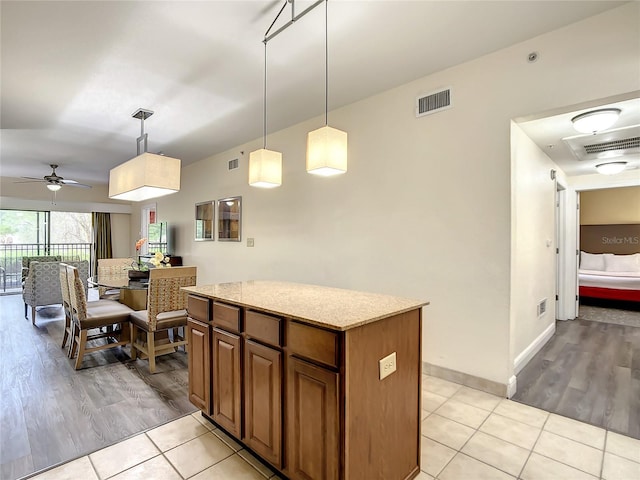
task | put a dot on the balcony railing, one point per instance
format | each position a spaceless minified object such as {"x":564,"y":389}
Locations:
{"x":11,"y":259}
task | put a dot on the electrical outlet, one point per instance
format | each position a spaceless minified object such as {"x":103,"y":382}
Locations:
{"x":387,"y":365}
{"x":249,"y":242}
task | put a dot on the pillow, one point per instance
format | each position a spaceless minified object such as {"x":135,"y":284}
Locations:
{"x":623,"y":263}
{"x":592,"y":261}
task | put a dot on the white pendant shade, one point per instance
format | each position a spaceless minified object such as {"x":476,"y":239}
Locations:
{"x":327,"y":151}
{"x":146,"y":176}
{"x":611,"y":168}
{"x":54,"y":187}
{"x":265,"y":168}
{"x":596,"y":120}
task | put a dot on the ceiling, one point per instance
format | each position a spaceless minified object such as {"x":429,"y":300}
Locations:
{"x":74,"y":72}
{"x":554,"y":134}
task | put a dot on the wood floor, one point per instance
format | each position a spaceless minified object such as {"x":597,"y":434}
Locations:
{"x":51,"y":413}
{"x":589,"y":371}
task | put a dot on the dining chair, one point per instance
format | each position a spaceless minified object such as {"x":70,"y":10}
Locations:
{"x":166,"y":311}
{"x":95,"y":315}
{"x":112,"y":267}
{"x":66,"y":304}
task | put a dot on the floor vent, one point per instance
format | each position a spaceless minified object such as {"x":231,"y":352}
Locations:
{"x":542,"y":307}
{"x":233,"y":164}
{"x":433,"y":102}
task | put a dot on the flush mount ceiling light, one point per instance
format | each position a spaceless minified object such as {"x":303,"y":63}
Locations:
{"x":146,"y":176}
{"x":265,"y":166}
{"x":595,"y":120}
{"x":611,"y":168}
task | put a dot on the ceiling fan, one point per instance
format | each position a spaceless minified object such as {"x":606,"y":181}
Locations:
{"x":54,"y":181}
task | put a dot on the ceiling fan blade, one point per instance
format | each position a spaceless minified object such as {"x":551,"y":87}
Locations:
{"x":34,"y":178}
{"x":31,"y":181}
{"x":73,"y":183}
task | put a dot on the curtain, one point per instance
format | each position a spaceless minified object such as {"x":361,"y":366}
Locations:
{"x":101,"y":237}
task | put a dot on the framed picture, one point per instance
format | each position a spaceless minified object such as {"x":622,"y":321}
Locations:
{"x":205,"y":212}
{"x":229,"y":219}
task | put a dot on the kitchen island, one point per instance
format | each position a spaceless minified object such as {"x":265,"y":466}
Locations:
{"x":321,"y":383}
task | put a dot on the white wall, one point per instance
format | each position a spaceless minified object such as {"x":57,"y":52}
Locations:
{"x":121,"y":235}
{"x":424,"y":210}
{"x":533,"y":245}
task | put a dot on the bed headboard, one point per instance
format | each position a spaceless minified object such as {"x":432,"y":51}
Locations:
{"x":621,"y":239}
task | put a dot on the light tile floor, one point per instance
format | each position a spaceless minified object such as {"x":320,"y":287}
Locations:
{"x":466,"y":435}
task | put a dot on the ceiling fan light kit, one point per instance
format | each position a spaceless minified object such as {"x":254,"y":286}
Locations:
{"x":595,"y":120}
{"x":146,"y":176}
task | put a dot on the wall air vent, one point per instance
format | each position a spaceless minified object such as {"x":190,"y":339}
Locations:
{"x":623,"y":144}
{"x":433,"y":102}
{"x":542,"y":307}
{"x":233,"y":164}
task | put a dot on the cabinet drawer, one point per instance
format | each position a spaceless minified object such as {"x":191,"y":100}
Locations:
{"x":226,"y":316}
{"x":199,"y":308}
{"x":262,"y":327}
{"x":313,"y":343}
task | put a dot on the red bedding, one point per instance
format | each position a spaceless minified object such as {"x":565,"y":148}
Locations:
{"x":610,"y":293}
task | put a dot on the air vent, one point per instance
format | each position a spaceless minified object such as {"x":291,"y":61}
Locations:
{"x":542,"y":307}
{"x":622,"y":144}
{"x":233,"y":164}
{"x":433,"y":102}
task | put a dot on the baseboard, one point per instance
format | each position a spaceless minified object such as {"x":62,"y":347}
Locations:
{"x":472,"y":381}
{"x":528,"y":353}
{"x":512,"y":386}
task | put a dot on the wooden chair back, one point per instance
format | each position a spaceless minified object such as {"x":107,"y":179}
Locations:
{"x":112,"y":267}
{"x":164,"y":291}
{"x":77,"y":295}
{"x":64,"y":288}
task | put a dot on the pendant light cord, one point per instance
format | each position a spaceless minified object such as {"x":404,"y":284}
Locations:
{"x":326,"y":62}
{"x":264,"y":118}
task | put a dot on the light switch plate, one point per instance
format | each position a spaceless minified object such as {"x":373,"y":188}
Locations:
{"x":387,"y":365}
{"x":250,"y":242}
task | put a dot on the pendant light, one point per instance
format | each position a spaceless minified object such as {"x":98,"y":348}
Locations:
{"x":326,"y":146}
{"x":265,"y":166}
{"x":146,"y":176}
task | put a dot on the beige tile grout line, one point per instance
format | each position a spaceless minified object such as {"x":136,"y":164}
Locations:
{"x":534,"y":446}
{"x":530,"y":450}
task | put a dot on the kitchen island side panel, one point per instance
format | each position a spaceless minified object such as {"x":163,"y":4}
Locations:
{"x":382,"y":417}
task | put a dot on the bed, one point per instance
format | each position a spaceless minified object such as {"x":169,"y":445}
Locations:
{"x":610,"y":262}
{"x":610,"y":276}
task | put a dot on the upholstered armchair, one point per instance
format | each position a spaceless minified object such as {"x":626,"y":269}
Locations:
{"x":26,"y":261}
{"x":42,"y":284}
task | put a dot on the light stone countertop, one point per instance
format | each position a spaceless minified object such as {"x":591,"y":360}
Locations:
{"x":333,"y":308}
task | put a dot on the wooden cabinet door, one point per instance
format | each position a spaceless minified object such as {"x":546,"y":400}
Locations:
{"x":199,"y":352}
{"x":227,"y":381}
{"x":313,"y":431}
{"x":262,"y":401}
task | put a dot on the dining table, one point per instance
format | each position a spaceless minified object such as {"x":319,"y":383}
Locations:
{"x":133,"y":293}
